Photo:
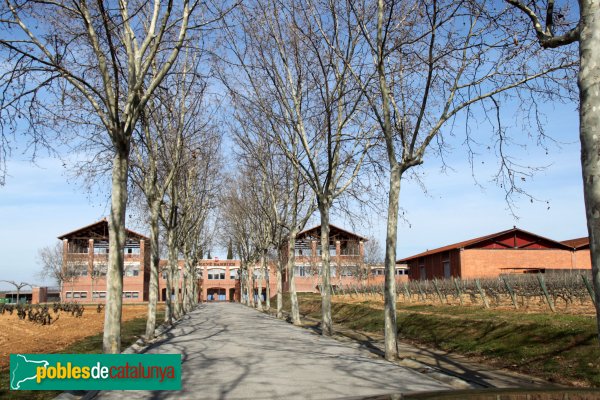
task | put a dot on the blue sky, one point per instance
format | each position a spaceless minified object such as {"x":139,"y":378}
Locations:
{"x":38,"y":203}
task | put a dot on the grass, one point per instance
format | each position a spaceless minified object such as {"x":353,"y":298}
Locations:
{"x":558,"y":347}
{"x":130,"y":332}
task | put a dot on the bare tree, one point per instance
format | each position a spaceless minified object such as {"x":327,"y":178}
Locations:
{"x":240,"y":229}
{"x":104,"y":60}
{"x":288,"y":206}
{"x":199,"y":200}
{"x":51,"y":259}
{"x":431,"y":61}
{"x":557,"y":25}
{"x":294,"y":78}
{"x":173,"y":117}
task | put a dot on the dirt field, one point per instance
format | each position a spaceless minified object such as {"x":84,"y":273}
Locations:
{"x":17,"y":336}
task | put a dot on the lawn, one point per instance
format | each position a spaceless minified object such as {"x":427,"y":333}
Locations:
{"x":562,"y":348}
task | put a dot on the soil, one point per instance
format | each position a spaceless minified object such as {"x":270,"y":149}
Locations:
{"x":23,"y":336}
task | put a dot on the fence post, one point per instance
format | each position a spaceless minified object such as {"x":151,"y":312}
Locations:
{"x":482,"y":293}
{"x":421,"y":294}
{"x":513,"y":297}
{"x":458,"y":292}
{"x":589,"y":287}
{"x":407,"y":292}
{"x":543,"y":285}
{"x":437,"y":290}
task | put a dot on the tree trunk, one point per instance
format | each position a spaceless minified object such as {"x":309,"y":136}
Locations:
{"x":390,"y":325}
{"x":267,"y":282}
{"x":259,"y":291}
{"x":589,"y":121}
{"x":184,"y":286}
{"x":170,"y":312}
{"x":111,"y":342}
{"x":279,"y":285}
{"x":295,"y":308}
{"x":154,"y":267}
{"x":250,"y":286}
{"x":326,"y":323}
{"x":243,"y":288}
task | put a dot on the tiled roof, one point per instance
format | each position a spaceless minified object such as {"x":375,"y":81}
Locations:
{"x":474,"y":241}
{"x":102,"y":221}
{"x":332,"y":228}
{"x":578,"y":242}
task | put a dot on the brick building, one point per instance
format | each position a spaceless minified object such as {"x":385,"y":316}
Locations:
{"x":85,"y":257}
{"x":218,"y":280}
{"x":507,"y":252}
{"x":346,"y":250}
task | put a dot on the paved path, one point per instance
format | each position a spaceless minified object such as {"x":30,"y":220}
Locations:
{"x":233,"y":352}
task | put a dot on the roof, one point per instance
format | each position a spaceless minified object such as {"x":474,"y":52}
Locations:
{"x":578,"y":243}
{"x":101,"y":228}
{"x":333,"y":231}
{"x":483,"y":239}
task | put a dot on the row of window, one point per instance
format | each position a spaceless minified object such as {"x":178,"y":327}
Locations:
{"x":301,"y":270}
{"x":398,"y":272}
{"x":99,"y":295}
{"x":213,"y":274}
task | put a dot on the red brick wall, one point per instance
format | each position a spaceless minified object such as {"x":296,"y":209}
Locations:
{"x":583,"y":259}
{"x":491,"y":263}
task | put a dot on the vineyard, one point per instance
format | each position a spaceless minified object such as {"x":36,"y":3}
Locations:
{"x":552,"y":291}
{"x":68,"y":324}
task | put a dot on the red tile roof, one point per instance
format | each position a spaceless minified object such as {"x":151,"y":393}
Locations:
{"x":332,"y":230}
{"x":578,"y":242}
{"x":477,"y":240}
{"x":102,"y":221}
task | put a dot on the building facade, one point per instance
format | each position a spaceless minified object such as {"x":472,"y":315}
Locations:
{"x":513,"y":251}
{"x":218,"y":280}
{"x":85,"y":263}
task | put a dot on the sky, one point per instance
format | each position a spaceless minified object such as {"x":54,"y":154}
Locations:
{"x":39,"y":203}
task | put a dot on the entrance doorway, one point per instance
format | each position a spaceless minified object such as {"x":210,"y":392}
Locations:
{"x":216,"y":294}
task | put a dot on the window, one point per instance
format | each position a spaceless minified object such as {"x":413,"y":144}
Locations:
{"x":132,"y":250}
{"x":132,"y":271}
{"x":216,"y":274}
{"x":68,"y":295}
{"x":76,"y":295}
{"x":300,"y":271}
{"x":99,"y":295}
{"x":131,"y":295}
{"x":101,"y":250}
{"x":233,"y":274}
{"x":350,"y":248}
{"x":84,"y":295}
{"x":135,"y":295}
{"x":423,"y":275}
{"x":164,"y":274}
{"x":331,"y":249}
